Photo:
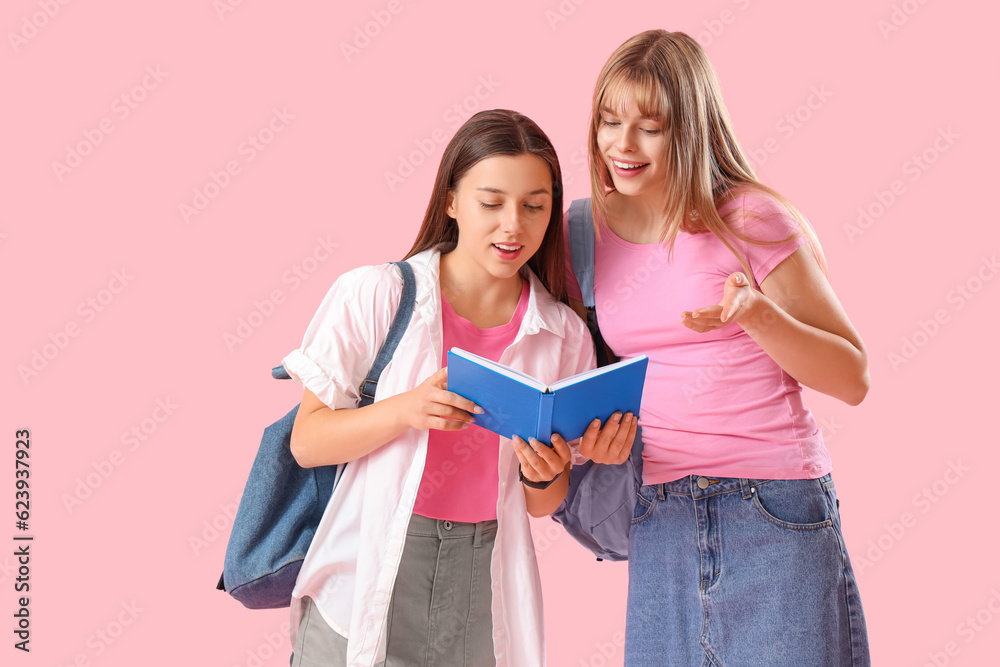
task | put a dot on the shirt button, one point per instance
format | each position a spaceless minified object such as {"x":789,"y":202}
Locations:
{"x":499,"y":633}
{"x":703,"y":482}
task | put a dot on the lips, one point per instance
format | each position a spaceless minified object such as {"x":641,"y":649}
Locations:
{"x":507,"y":251}
{"x":628,"y":168}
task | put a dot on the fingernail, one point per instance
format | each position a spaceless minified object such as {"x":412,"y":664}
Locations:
{"x":596,"y":422}
{"x":628,"y":418}
{"x":617,"y":415}
{"x":478,"y":410}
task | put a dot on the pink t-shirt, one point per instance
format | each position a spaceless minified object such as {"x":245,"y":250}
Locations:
{"x":461,"y":473}
{"x":714,"y":403}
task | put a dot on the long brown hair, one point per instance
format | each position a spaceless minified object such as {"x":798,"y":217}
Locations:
{"x":669,"y":76}
{"x":489,"y":133}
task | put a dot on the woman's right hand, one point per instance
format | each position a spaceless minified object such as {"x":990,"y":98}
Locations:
{"x":430,"y":405}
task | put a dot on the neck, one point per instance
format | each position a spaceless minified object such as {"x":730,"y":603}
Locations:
{"x":636,"y":218}
{"x":474,"y":294}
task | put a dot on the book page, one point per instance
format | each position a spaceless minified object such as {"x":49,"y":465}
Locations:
{"x":586,"y":375}
{"x":506,"y":371}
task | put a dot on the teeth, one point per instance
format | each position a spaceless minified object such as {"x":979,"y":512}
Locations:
{"x":622,"y":165}
{"x":507,"y":248}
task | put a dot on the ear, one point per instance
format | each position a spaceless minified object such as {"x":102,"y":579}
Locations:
{"x":450,"y":205}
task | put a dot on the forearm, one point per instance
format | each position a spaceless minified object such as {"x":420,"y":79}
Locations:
{"x":326,"y":436}
{"x":542,"y":502}
{"x":820,"y":360}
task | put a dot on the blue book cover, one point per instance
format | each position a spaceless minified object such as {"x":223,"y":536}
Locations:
{"x":518,"y":404}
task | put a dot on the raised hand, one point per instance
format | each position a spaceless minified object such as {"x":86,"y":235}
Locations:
{"x":737,"y":299}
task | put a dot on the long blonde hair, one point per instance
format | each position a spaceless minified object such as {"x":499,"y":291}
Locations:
{"x":670,"y":78}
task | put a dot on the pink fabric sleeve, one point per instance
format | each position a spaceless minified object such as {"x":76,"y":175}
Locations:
{"x":764,"y":219}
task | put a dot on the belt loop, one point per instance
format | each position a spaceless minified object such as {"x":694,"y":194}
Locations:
{"x":477,"y":539}
{"x":746,"y":488}
{"x":661,"y":491}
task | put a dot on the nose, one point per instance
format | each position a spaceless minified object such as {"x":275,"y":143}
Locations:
{"x":510,"y":222}
{"x":626,"y":140}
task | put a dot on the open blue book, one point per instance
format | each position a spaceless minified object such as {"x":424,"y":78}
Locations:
{"x":517,"y":404}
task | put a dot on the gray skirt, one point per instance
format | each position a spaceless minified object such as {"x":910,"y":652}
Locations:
{"x":440,"y":613}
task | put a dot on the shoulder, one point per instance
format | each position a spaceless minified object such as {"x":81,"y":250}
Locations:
{"x":759,"y":215}
{"x":361,"y":293}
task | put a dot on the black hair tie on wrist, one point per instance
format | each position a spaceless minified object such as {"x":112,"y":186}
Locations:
{"x":534,"y":485}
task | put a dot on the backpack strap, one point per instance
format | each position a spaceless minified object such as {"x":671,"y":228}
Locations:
{"x":581,"y":247}
{"x":580,"y":221}
{"x":396,"y":330}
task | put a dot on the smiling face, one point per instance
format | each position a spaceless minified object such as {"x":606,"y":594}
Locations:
{"x":634,"y":149}
{"x":502,"y":206}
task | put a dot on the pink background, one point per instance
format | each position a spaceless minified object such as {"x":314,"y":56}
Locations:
{"x":124,"y":305}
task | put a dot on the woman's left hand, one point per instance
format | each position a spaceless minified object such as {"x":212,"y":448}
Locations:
{"x":737,"y":299}
{"x":539,"y":462}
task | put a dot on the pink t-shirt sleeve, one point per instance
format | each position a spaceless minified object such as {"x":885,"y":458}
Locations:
{"x":572,"y":287}
{"x":764,"y":219}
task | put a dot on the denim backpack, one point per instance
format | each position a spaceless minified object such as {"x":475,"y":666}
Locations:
{"x":283,"y":502}
{"x":600,"y":502}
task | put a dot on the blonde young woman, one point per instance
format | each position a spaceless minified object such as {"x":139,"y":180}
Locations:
{"x":736,"y":555}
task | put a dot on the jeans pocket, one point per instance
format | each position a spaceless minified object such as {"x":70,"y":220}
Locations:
{"x":793,"y":504}
{"x":643,"y":505}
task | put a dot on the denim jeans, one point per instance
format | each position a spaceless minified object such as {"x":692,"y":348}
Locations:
{"x":727,"y":572}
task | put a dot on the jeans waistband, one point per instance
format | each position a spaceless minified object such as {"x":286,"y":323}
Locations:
{"x":705,"y":486}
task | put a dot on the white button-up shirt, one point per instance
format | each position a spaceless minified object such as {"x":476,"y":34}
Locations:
{"x":351,"y":565}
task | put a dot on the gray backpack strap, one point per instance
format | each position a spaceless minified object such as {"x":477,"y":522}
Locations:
{"x":580,"y":221}
{"x":581,"y":247}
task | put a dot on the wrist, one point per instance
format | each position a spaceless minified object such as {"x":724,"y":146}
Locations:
{"x":756,"y":312}
{"x":533,"y":484}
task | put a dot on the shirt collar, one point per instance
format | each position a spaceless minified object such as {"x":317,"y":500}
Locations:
{"x":542,"y":313}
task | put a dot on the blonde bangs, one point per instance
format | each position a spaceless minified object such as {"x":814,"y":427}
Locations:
{"x":638,"y":85}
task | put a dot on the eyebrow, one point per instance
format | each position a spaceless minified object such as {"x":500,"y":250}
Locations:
{"x":608,"y":110}
{"x":540,"y":191}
